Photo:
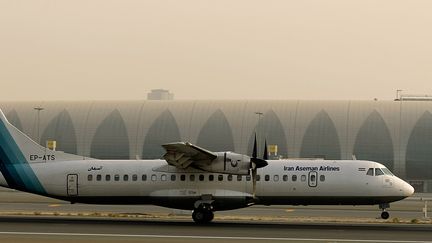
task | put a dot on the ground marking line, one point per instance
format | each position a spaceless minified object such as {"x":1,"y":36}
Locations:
{"x":203,"y":237}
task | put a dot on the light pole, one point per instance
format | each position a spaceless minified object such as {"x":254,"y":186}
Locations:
{"x":38,"y":109}
{"x":399,"y":94}
{"x":257,"y":129}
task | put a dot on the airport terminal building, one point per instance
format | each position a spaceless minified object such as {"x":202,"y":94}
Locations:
{"x":397,"y":134}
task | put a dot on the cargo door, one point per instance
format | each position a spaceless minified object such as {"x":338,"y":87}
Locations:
{"x":72,"y":185}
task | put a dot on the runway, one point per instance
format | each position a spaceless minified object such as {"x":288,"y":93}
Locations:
{"x":354,"y":214}
{"x":29,"y":218}
{"x":49,"y":229}
{"x":13,"y":203}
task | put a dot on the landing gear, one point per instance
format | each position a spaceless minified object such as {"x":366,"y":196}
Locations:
{"x":203,"y":212}
{"x":202,"y":215}
{"x":383,"y":207}
{"x":385,"y":215}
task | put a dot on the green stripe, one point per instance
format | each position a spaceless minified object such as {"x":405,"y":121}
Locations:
{"x":15,"y":167}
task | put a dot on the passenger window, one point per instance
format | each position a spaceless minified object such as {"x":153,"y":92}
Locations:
{"x":258,"y":177}
{"x":370,"y":172}
{"x":230,"y":177}
{"x":276,"y":178}
{"x":285,"y":177}
{"x":153,"y":177}
{"x":125,"y":177}
{"x":99,"y":177}
{"x":192,"y":177}
{"x":220,"y":177}
{"x":107,"y":177}
{"x":134,"y":177}
{"x":211,"y":177}
{"x":144,"y":177}
{"x":201,"y":177}
{"x":173,"y":177}
{"x":378,"y":172}
{"x":90,"y":177}
{"x":117,"y":177}
{"x":239,"y":177}
{"x":294,"y":178}
{"x":322,"y":177}
{"x":303,"y":178}
{"x":266,"y":177}
{"x":163,"y":177}
{"x":183,"y":177}
{"x":248,"y":178}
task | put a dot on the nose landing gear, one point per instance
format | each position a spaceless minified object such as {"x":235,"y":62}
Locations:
{"x":383,"y":207}
{"x":385,"y":215}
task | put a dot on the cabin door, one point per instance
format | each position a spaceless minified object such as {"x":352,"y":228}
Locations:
{"x":72,"y":185}
{"x":313,"y":178}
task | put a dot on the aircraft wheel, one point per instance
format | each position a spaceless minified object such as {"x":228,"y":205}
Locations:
{"x":202,"y":216}
{"x":385,"y":215}
{"x":198,"y":216}
{"x":210,"y":216}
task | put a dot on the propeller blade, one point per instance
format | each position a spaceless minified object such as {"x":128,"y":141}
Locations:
{"x":265,"y":156}
{"x":254,"y":181}
{"x":256,"y":163}
{"x":254,"y":151}
{"x":259,"y":163}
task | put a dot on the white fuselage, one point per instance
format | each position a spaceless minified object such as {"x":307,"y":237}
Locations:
{"x":288,"y":182}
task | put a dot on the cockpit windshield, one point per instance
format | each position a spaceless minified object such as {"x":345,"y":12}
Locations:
{"x":387,"y":171}
{"x":378,"y":172}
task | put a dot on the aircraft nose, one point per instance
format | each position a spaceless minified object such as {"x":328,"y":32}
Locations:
{"x":408,"y":190}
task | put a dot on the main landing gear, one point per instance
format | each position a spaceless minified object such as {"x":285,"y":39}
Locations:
{"x":383,"y":207}
{"x":203,"y":214}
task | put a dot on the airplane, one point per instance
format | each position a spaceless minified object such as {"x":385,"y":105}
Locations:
{"x":193,"y":178}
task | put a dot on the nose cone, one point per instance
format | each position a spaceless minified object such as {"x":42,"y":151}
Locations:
{"x":408,"y":190}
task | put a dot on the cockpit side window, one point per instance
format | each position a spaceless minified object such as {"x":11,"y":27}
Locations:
{"x":370,"y":172}
{"x":378,"y":172}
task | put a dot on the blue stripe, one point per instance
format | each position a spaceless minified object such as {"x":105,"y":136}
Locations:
{"x":14,"y":167}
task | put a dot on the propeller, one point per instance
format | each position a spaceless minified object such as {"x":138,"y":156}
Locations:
{"x":256,"y":163}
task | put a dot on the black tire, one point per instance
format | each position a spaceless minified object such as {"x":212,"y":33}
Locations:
{"x":210,"y":216}
{"x":198,"y":216}
{"x":385,"y":215}
{"x":201,"y":216}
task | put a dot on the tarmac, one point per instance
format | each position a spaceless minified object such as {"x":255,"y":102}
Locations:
{"x":59,"y":229}
{"x":29,"y":218}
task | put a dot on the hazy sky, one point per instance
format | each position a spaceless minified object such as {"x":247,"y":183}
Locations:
{"x":218,"y":49}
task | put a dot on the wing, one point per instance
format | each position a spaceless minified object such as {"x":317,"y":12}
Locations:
{"x":182,"y":155}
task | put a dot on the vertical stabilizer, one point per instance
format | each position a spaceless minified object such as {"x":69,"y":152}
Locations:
{"x":13,"y":163}
{"x":21,"y":148}
{"x":18,"y":152}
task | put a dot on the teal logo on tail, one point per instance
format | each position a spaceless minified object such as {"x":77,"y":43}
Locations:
{"x":13,"y":165}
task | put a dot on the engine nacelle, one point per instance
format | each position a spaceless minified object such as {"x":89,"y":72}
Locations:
{"x":227,"y":163}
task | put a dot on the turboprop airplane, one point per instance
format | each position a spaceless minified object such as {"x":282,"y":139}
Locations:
{"x":193,"y":178}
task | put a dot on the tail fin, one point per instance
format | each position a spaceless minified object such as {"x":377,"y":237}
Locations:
{"x":20,"y":148}
{"x":17,"y":151}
